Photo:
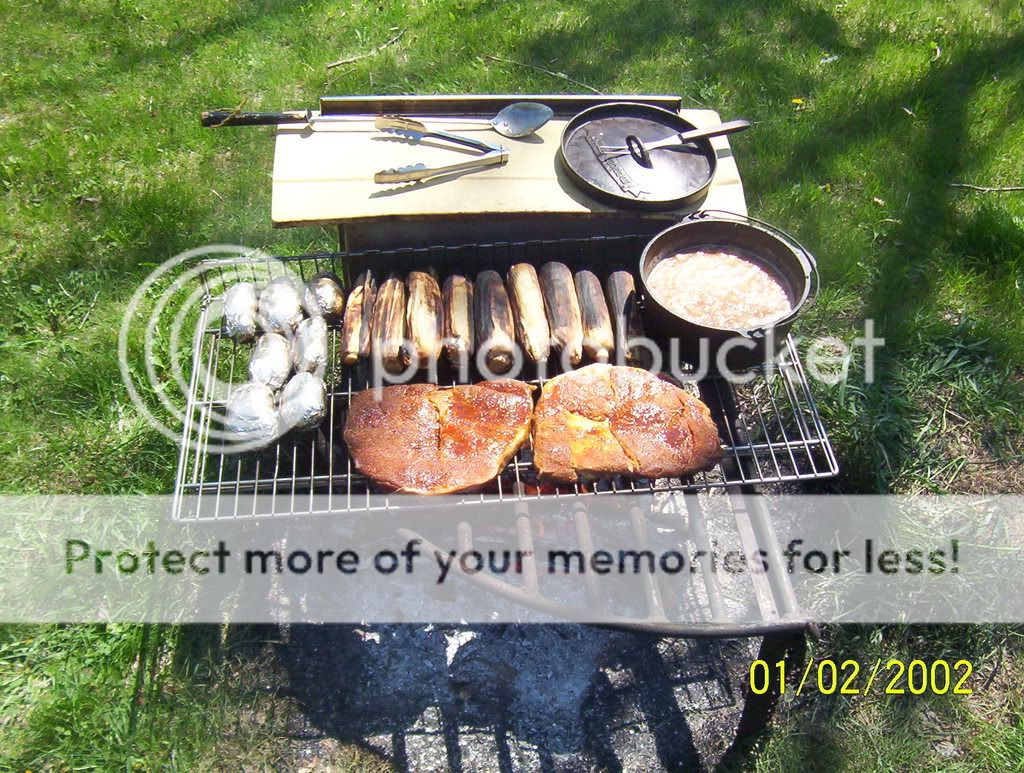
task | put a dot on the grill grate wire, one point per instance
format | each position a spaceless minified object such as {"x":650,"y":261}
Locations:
{"x":770,"y":427}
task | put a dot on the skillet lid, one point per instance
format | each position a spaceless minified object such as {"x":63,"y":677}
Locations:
{"x":664,"y":179}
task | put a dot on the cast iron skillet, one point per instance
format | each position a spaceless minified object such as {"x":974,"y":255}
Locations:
{"x":663,"y":180}
{"x":779,"y":254}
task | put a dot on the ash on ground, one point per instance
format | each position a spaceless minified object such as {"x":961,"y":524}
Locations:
{"x":516,"y":697}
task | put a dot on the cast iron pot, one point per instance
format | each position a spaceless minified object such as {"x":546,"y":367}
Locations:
{"x":780,"y":254}
{"x":678,"y":178}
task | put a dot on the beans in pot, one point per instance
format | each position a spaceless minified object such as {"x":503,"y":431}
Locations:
{"x":720,"y":288}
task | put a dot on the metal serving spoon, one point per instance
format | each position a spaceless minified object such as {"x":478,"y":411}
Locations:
{"x":520,"y":119}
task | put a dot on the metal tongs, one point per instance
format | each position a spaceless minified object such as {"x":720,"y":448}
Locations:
{"x":491,"y":155}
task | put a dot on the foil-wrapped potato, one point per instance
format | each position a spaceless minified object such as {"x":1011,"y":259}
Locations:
{"x":309,"y":346}
{"x":323,"y":297}
{"x":303,"y":402}
{"x":280,"y":306}
{"x":271,"y":360}
{"x":240,"y":307}
{"x":251,"y":415}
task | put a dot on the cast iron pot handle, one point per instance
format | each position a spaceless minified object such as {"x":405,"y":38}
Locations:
{"x":637,"y":150}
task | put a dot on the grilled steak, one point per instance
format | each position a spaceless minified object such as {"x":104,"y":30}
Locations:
{"x":606,"y":420}
{"x":424,"y":439}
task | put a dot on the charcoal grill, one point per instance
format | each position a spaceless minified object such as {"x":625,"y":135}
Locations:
{"x":770,"y":428}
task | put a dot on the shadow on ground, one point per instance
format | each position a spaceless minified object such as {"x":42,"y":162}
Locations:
{"x":509,"y":697}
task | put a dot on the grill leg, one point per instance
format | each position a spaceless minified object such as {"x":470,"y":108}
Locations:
{"x":757,"y":709}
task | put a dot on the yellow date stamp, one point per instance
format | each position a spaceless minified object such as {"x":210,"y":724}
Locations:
{"x":894,"y":676}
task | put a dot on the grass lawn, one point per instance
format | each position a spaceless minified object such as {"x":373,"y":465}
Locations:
{"x":865,"y":113}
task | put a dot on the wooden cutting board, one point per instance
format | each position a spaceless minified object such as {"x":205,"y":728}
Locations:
{"x":326,"y":176}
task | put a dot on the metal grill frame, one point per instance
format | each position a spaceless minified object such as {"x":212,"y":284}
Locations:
{"x":771,"y":428}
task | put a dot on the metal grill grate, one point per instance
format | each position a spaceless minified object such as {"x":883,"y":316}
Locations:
{"x":769,"y":427}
